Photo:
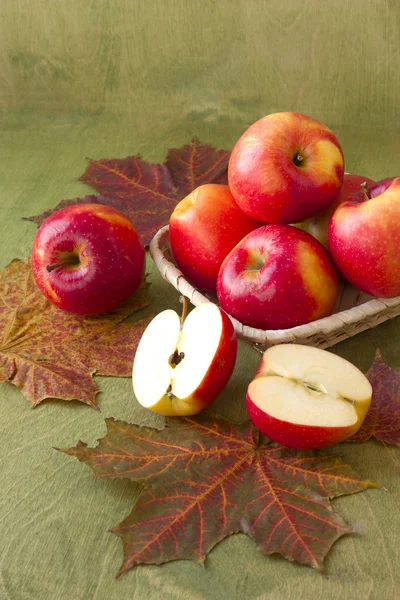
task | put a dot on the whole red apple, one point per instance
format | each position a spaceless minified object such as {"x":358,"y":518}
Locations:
{"x":318,"y":225}
{"x":304,"y":397}
{"x":87,"y":258}
{"x":364,"y":239}
{"x":285,"y":168}
{"x":204,"y":228}
{"x":277,"y":277}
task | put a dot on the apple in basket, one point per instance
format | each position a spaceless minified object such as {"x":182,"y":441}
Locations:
{"x":182,"y":364}
{"x":318,"y":225}
{"x":304,"y":397}
{"x":277,"y":277}
{"x":285,"y":168}
{"x":204,"y":228}
{"x":364,"y":238}
{"x":88,"y":258}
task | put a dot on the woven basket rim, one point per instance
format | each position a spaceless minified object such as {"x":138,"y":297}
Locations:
{"x":327,"y":326}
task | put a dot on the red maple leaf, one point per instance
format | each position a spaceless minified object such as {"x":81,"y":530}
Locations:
{"x":206,"y":478}
{"x":148,"y":193}
{"x":383,"y":417}
{"x":197,"y":164}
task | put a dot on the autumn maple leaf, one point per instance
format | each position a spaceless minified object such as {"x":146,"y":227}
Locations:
{"x":206,"y":478}
{"x":48,"y":353}
{"x":197,"y":164}
{"x":383,"y":417}
{"x":148,"y":193}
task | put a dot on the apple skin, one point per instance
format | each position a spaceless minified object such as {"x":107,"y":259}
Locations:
{"x":203,"y":229}
{"x":318,"y":226}
{"x":293,"y":435}
{"x":277,"y":277}
{"x":214,"y":381}
{"x":263,"y":176}
{"x":110,"y":254}
{"x":364,"y":239}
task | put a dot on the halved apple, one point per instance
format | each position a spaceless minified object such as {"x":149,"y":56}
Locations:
{"x":181,"y":364}
{"x":304,"y":397}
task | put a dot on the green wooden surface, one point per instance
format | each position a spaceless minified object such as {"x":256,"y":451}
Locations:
{"x":106,"y":79}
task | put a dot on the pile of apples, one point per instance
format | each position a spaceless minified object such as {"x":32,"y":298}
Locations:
{"x":271,"y":247}
{"x":239,"y":241}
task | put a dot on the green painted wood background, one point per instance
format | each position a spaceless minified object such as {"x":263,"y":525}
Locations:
{"x":105,"y":78}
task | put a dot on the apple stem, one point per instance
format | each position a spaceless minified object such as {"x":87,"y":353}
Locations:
{"x":298,"y":159}
{"x":73,"y":260}
{"x":185,"y":303}
{"x":366,"y":190}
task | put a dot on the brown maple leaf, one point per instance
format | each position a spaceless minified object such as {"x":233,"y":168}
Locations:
{"x":148,"y":193}
{"x":91,"y":199}
{"x":206,"y":478}
{"x":48,"y":353}
{"x":196,"y":164}
{"x":383,"y":417}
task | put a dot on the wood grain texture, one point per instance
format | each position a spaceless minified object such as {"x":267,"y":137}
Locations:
{"x":106,"y":78}
{"x":238,"y":59}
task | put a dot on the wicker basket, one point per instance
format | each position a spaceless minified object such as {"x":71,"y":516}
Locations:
{"x":354,"y":311}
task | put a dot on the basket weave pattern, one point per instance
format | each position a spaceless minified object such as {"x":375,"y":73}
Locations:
{"x":354,"y":312}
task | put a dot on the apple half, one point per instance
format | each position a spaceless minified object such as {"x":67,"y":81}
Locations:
{"x":181,"y":364}
{"x":305,"y":397}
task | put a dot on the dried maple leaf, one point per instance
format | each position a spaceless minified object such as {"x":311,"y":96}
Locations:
{"x":197,"y":164}
{"x":145,"y":192}
{"x":206,"y":478}
{"x":148,"y":193}
{"x":48,"y":353}
{"x":383,"y":418}
{"x":38,"y":219}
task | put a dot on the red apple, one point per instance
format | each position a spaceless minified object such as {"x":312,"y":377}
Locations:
{"x":304,"y":397}
{"x":87,"y":258}
{"x":277,"y":277}
{"x":180,"y":369}
{"x":364,"y":239}
{"x":204,"y":228}
{"x":285,"y":168}
{"x":317,"y":226}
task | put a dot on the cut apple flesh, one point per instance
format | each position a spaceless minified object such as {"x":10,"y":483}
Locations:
{"x":293,"y":402}
{"x":305,"y":385}
{"x":313,"y":365}
{"x":172,"y":360}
